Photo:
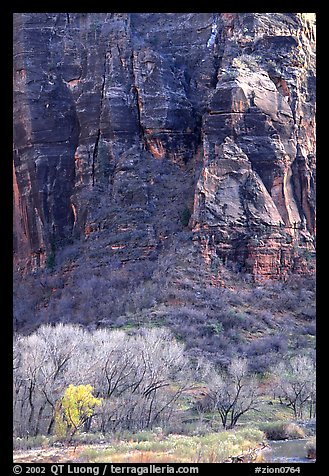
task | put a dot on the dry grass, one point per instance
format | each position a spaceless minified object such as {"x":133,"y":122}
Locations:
{"x":210,"y":448}
{"x":281,"y":430}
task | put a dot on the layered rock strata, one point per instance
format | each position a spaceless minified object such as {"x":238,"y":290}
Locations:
{"x":123,"y":121}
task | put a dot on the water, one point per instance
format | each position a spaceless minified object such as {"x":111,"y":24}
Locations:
{"x":287,"y":451}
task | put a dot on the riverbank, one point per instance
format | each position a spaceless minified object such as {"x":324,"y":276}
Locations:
{"x":147,"y":447}
{"x":240,"y":445}
{"x":287,"y":451}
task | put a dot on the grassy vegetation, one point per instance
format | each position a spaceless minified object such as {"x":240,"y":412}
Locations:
{"x":269,"y":410}
{"x":210,"y":448}
{"x":43,"y":441}
{"x":40,"y":441}
{"x":196,"y":440}
{"x":279,"y":430}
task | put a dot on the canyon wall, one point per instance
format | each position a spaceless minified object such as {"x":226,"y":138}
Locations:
{"x":124,"y":123}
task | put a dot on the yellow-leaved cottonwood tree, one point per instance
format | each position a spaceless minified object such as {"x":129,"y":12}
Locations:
{"x":76,"y":406}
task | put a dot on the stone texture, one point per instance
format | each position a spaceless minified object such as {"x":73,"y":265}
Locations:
{"x":122,"y":120}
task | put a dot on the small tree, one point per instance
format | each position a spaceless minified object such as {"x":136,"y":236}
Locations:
{"x":51,"y":260}
{"x":104,"y":164}
{"x":76,"y":407}
{"x":185,"y":216}
{"x":60,"y":426}
{"x":295,"y":384}
{"x":233,"y":393}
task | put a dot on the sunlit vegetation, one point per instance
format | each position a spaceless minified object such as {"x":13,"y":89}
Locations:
{"x":211,"y":448}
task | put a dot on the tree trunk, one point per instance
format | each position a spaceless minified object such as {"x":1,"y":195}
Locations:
{"x":37,"y":428}
{"x":51,"y":424}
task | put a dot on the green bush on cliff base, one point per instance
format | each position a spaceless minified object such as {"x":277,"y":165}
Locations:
{"x":185,"y":216}
{"x":50,"y":261}
{"x":279,"y":430}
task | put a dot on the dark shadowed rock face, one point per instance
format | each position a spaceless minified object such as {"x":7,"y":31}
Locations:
{"x":123,"y":121}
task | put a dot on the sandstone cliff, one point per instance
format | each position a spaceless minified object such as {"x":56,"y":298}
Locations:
{"x":124,"y":122}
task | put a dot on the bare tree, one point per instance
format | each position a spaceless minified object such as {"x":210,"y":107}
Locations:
{"x":295,"y":384}
{"x":232,"y":393}
{"x":62,"y":345}
{"x":143,"y":377}
{"x":167,"y":371}
{"x":138,"y":377}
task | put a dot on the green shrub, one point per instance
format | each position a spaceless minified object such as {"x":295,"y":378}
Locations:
{"x":229,"y":75}
{"x":143,"y":436}
{"x":278,"y":430}
{"x":244,"y":60}
{"x":50,"y":261}
{"x":216,"y":327}
{"x":91,"y":438}
{"x":103,"y":157}
{"x":31,"y":442}
{"x":185,"y":216}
